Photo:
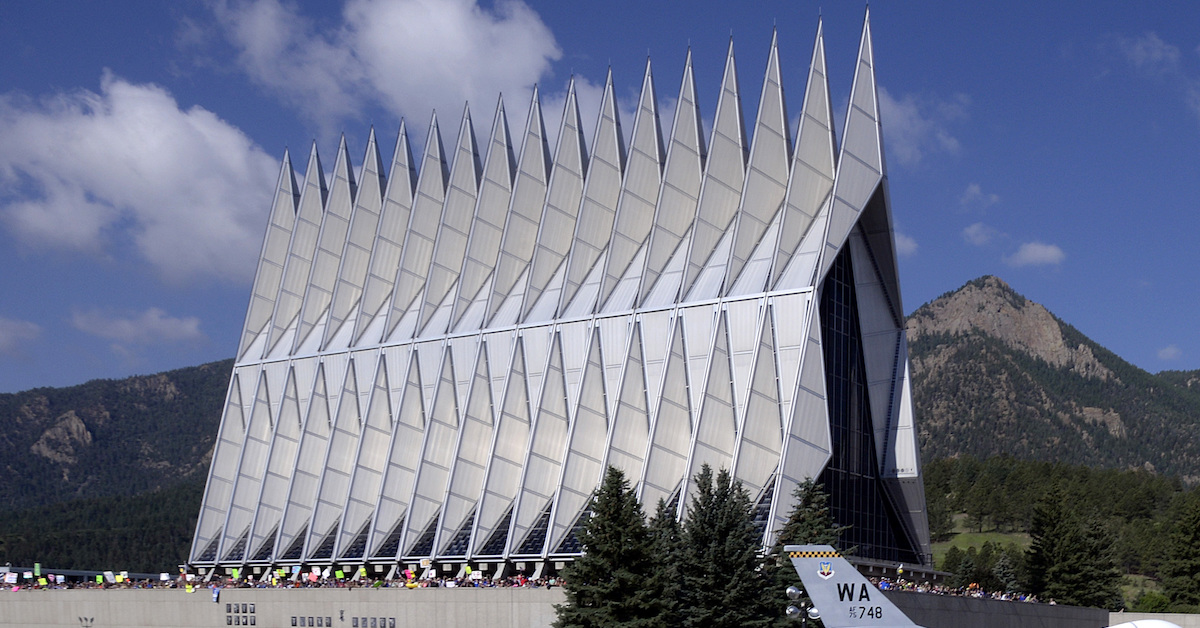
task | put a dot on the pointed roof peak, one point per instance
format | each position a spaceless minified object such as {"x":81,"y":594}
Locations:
{"x":609,"y":79}
{"x":774,"y":37}
{"x":466,"y":110}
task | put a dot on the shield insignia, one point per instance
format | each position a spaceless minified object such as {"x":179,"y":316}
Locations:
{"x":826,"y":570}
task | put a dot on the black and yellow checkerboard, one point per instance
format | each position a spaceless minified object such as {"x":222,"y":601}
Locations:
{"x":814,"y":555}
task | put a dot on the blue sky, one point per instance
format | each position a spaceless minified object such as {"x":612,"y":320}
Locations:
{"x":1055,"y":145}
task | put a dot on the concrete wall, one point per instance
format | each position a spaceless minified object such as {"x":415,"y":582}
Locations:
{"x":419,"y":608}
{"x":432,"y":608}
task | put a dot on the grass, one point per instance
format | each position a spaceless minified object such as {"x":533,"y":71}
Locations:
{"x":963,"y":538}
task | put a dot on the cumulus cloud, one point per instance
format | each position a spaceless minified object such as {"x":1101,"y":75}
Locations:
{"x":1170,"y":352}
{"x":91,"y":171}
{"x":915,"y":126}
{"x":144,"y":328}
{"x":15,"y":333}
{"x":979,"y":234}
{"x":1036,"y":254}
{"x":408,"y":56}
{"x":906,"y":246}
{"x":975,"y":198}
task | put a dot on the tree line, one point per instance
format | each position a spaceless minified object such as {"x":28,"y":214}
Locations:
{"x":1087,"y":529}
{"x":707,"y":571}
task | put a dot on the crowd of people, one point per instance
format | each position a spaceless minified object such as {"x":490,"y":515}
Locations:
{"x":971,"y":590}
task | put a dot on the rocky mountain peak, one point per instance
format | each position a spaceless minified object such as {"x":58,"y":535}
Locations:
{"x":989,"y":306}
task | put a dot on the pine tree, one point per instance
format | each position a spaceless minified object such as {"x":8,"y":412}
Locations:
{"x":605,"y":587}
{"x":1046,"y":534}
{"x":1181,"y":571}
{"x":810,"y":522}
{"x":666,"y":581}
{"x":723,"y":583}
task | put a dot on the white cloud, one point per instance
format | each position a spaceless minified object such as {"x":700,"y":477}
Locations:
{"x":14,"y":333}
{"x":979,"y":234}
{"x":915,"y":126}
{"x":975,"y":198}
{"x":149,"y":327}
{"x":1036,"y":254}
{"x":84,"y":170}
{"x":408,"y":56}
{"x":1150,"y":53}
{"x":1170,"y":352}
{"x":906,"y":246}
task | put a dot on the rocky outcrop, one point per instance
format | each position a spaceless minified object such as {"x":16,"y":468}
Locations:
{"x":989,"y":306}
{"x":61,"y":442}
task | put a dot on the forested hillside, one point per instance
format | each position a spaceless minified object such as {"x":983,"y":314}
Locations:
{"x":110,"y":437}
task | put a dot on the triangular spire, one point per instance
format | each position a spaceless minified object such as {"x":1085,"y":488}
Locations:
{"x":766,"y":179}
{"x":301,"y":249}
{"x":393,"y":222}
{"x":680,"y":192}
{"x":457,"y":212}
{"x":643,"y":176}
{"x":724,"y":176}
{"x":495,"y":195}
{"x":601,"y":192}
{"x":422,"y":228}
{"x":270,"y":262}
{"x":812,"y":169}
{"x":335,"y":224}
{"x":562,"y":206}
{"x":521,"y":223}
{"x":356,"y":257}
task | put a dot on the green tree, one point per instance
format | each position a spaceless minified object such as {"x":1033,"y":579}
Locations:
{"x":605,"y":587}
{"x":1087,"y":575}
{"x":810,"y":522}
{"x":724,"y":586}
{"x":666,"y":581}
{"x":1181,"y":570}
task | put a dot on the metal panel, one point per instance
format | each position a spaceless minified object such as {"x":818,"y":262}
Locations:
{"x":601,"y":191}
{"x":271,"y":260}
{"x":631,"y":415}
{"x":583,"y":461}
{"x":248,"y":480}
{"x":280,"y":464}
{"x":767,"y":176}
{"x":760,"y":442}
{"x":335,"y":225}
{"x":417,"y":253}
{"x":470,"y":461}
{"x":508,"y":455}
{"x":724,"y":176}
{"x":339,"y":463}
{"x":639,"y":192}
{"x":524,"y":215}
{"x":670,"y":443}
{"x":812,"y":171}
{"x":302,"y":494}
{"x":544,"y":461}
{"x":716,"y":428}
{"x":389,"y":240}
{"x":487,"y":229}
{"x":450,"y":248}
{"x":301,"y":250}
{"x":437,"y":453}
{"x":402,"y":459}
{"x":677,"y":201}
{"x":562,"y":205}
{"x":221,"y":475}
{"x":370,"y":462}
{"x":356,"y":257}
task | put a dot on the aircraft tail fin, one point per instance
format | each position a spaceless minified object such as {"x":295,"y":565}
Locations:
{"x":843,"y":597}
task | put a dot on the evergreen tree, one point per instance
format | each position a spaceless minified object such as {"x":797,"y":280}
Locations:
{"x":605,"y":587}
{"x":1087,"y":575}
{"x":666,"y":581}
{"x":1046,"y":534}
{"x":810,"y":522}
{"x":724,"y":586}
{"x":1181,"y":570}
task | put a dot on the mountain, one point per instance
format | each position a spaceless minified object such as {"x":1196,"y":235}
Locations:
{"x":995,"y":373}
{"x":110,"y":438}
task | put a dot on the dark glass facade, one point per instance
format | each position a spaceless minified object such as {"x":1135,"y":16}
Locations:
{"x":856,"y":495}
